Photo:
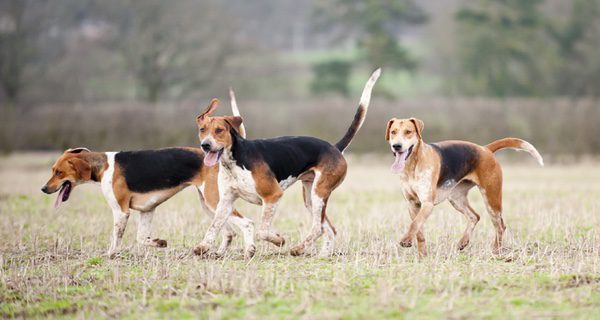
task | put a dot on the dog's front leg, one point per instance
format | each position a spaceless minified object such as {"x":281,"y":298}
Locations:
{"x":223,"y":212}
{"x":417,"y":223}
{"x":229,"y":234}
{"x":413,"y":209}
{"x":246,"y":226}
{"x":119,"y":224}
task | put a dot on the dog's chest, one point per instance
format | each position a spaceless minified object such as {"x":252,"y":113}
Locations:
{"x":239,"y":181}
{"x":418,"y":184}
{"x":421,"y":186}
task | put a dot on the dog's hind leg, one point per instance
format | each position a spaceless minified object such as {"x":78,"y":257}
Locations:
{"x":268,"y":213}
{"x":306,"y":194}
{"x":491,"y":189}
{"x":329,"y":240}
{"x":144,"y":230}
{"x":322,"y":186}
{"x":460,"y":202}
{"x":328,"y":229}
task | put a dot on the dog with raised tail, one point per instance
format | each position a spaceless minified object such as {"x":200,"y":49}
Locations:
{"x":259,"y":171}
{"x":432,"y":173}
{"x":141,"y":181}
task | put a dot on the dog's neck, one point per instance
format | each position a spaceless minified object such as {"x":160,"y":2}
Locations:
{"x":98,"y":162}
{"x":413,"y":160}
{"x":228,"y":159}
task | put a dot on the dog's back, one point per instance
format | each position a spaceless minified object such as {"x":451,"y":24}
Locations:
{"x":150,"y":170}
{"x":285,"y":156}
{"x":457,"y":159}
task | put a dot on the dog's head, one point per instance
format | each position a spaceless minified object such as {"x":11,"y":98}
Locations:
{"x":216,"y":134}
{"x":403,"y":135}
{"x":68,"y":171}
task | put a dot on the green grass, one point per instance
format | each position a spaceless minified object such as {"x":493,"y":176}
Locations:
{"x":52,"y":263}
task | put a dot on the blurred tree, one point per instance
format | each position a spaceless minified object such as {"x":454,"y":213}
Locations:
{"x":578,"y":41}
{"x":375,"y":24}
{"x":331,"y":76}
{"x":16,"y":35}
{"x":162,"y":49}
{"x":503,"y":48}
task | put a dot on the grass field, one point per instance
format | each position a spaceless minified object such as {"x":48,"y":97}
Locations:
{"x":52,"y":262}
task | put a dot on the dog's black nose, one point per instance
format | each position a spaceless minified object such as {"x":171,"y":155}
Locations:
{"x":45,"y":189}
{"x":397,"y":147}
{"x":205,"y":147}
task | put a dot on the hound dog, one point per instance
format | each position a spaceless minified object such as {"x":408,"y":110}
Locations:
{"x":432,"y":173}
{"x":142,"y":180}
{"x":259,"y":171}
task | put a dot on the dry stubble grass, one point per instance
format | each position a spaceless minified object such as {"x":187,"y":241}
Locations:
{"x":52,"y":263}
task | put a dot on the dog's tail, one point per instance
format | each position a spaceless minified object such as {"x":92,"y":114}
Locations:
{"x":236,"y":112}
{"x":361,"y":113}
{"x":516,"y":144}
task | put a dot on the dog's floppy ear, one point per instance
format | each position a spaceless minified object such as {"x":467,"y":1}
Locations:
{"x":234,"y":121}
{"x":77,"y":150}
{"x":82,"y":168}
{"x":387,"y":129}
{"x":214,"y":103}
{"x":419,"y":124}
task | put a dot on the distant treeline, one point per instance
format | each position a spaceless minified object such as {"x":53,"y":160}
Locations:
{"x":156,"y":51}
{"x":556,"y":126}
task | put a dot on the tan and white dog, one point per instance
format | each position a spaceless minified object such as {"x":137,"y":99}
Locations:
{"x":141,"y":181}
{"x":432,"y":173}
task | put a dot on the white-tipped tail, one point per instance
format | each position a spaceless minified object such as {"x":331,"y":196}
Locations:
{"x":517,"y":144}
{"x":533,"y":152}
{"x":236,"y":111}
{"x":365,"y":98}
{"x":361,"y":113}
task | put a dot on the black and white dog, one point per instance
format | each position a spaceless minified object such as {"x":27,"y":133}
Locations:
{"x":259,"y":171}
{"x":141,"y":181}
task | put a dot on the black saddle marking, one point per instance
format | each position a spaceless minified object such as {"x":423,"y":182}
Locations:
{"x":457,"y":160}
{"x":152,"y":170}
{"x":285,"y":156}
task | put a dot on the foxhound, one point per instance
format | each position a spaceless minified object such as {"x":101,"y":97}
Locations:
{"x":142,"y":180}
{"x":432,"y":173}
{"x":259,"y":171}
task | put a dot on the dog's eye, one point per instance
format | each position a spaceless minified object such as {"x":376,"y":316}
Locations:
{"x":407,"y":132}
{"x":202,"y":129}
{"x":58,"y":173}
{"x":394,"y":132}
{"x":218,"y":130}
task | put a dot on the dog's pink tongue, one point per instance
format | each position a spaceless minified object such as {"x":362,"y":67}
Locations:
{"x":59,"y":199}
{"x":398,"y":165}
{"x":211,"y":158}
